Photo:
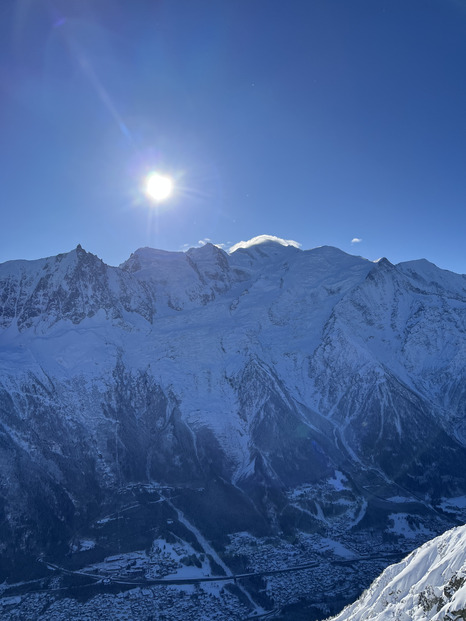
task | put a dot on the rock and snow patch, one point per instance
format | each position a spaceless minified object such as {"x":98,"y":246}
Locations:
{"x":82,"y":545}
{"x":339,"y":481}
{"x":407,"y":526}
{"x":430,"y":583}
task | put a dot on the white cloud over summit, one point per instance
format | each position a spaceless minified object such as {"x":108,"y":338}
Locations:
{"x":261,"y":239}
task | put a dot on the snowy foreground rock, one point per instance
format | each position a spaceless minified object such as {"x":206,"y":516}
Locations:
{"x":199,"y":414}
{"x":430,"y":583}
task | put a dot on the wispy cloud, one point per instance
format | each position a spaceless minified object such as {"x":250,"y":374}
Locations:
{"x":203,"y":242}
{"x":356,"y":240}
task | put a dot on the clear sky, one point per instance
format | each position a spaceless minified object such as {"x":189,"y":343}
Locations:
{"x":321,"y":121}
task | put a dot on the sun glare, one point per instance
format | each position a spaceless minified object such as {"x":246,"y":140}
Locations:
{"x":159,"y":187}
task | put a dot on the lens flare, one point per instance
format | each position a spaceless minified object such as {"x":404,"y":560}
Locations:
{"x":159,"y":187}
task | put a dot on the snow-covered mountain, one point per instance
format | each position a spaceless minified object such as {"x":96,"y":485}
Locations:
{"x":430,"y":583}
{"x":274,"y":391}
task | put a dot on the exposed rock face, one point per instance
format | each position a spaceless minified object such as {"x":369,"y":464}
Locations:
{"x":240,"y":378}
{"x":73,"y":286}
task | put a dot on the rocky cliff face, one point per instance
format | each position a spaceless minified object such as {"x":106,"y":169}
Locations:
{"x":245,"y":382}
{"x":68,"y":287}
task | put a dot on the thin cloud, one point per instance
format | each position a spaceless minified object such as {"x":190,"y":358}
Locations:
{"x":356,"y":240}
{"x":203,"y":242}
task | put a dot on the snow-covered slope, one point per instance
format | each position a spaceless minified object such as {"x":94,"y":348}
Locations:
{"x":430,"y":583}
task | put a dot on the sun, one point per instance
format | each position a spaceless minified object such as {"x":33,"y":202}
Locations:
{"x":159,"y":187}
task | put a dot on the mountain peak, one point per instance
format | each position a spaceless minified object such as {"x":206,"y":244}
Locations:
{"x":383,"y":262}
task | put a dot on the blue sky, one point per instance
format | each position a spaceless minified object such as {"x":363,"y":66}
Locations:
{"x":317,"y":121}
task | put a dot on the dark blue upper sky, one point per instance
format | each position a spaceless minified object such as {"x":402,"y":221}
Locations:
{"x":318,"y":121}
